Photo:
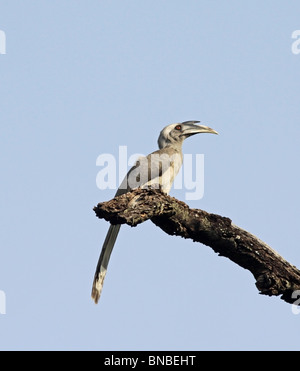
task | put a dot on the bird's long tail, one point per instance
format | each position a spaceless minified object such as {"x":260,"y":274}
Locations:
{"x":101,"y":269}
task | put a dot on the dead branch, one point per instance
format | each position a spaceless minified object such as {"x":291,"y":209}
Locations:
{"x":273,"y":274}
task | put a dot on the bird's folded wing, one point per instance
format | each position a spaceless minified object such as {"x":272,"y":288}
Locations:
{"x":159,"y":167}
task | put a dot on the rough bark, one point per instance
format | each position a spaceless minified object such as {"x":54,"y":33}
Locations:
{"x":273,"y":274}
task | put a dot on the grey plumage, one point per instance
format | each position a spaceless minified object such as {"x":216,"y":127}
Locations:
{"x":157,"y":169}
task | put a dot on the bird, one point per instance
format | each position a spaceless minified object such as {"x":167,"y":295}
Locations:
{"x":156,"y":170}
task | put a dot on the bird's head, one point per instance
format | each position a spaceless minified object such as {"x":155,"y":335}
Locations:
{"x":175,"y":134}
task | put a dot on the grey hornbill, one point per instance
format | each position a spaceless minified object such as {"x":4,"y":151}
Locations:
{"x":158,"y":169}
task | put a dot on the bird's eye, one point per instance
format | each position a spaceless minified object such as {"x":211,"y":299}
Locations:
{"x":178,"y":127}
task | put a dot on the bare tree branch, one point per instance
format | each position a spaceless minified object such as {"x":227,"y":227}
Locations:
{"x":273,"y":274}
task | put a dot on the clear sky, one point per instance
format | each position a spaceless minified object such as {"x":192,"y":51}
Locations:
{"x":81,"y":78}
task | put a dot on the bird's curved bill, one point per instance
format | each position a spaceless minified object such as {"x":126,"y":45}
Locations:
{"x":197,"y":129}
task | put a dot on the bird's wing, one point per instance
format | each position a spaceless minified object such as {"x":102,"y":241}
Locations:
{"x":157,"y":169}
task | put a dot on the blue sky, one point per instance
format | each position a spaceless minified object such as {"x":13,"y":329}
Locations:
{"x":81,"y":78}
